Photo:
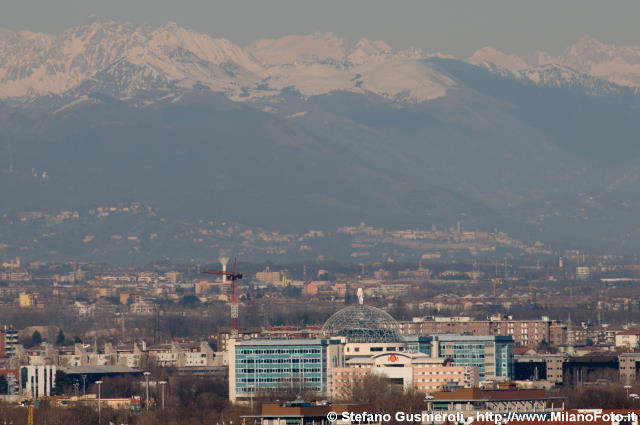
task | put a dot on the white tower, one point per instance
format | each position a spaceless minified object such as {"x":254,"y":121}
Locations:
{"x":224,"y":261}
{"x":360,"y":293}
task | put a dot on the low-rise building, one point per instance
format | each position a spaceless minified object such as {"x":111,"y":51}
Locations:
{"x":628,"y":339}
{"x":37,"y":381}
{"x":410,"y":370}
{"x":629,"y":364}
{"x":504,"y":399}
{"x":302,"y":412}
{"x":554,"y":363}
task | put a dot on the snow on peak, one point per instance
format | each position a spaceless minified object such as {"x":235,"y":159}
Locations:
{"x":319,"y":64}
{"x":488,"y":56}
{"x":121,"y":60}
{"x":316,"y":47}
{"x":550,"y":74}
{"x":588,"y":45}
{"x":561,"y":76}
{"x":618,"y":65}
{"x":365,"y":49}
{"x":126,"y":57}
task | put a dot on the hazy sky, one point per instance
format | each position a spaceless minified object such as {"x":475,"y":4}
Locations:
{"x":447,"y":26}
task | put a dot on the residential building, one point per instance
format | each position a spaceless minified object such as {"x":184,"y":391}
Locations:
{"x":37,"y":381}
{"x":629,"y":364}
{"x":8,"y":341}
{"x":223,"y":336}
{"x":628,"y":339}
{"x":525,"y":333}
{"x":555,"y":369}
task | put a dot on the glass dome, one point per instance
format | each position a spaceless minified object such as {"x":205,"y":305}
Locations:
{"x":362,"y":323}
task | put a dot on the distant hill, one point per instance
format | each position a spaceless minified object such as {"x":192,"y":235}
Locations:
{"x":306,"y":132}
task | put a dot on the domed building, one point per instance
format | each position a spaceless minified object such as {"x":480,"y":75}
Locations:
{"x":362,"y":324}
{"x":358,"y":340}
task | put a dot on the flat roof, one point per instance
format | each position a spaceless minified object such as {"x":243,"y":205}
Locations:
{"x":417,"y":338}
{"x":277,"y":342}
{"x":478,"y":394}
{"x":463,"y":338}
{"x":453,"y":400}
{"x":88,"y":370}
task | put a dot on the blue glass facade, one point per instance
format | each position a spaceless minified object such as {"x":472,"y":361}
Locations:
{"x":263,"y":365}
{"x":492,"y":354}
{"x":418,"y":343}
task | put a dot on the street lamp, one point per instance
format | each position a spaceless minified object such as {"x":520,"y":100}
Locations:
{"x":428,"y":400}
{"x":147,"y":375}
{"x":251,"y":389}
{"x":84,"y":384}
{"x":99,"y":416}
{"x":162,"y":384}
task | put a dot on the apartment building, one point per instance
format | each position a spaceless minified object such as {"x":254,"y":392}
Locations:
{"x":525,"y":333}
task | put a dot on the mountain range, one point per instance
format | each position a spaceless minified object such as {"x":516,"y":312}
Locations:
{"x":305,"y":132}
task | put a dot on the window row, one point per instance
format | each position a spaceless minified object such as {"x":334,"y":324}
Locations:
{"x":281,"y":351}
{"x":278,"y":370}
{"x":277,"y":361}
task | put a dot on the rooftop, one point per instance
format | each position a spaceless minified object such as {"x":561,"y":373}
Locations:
{"x":362,"y":323}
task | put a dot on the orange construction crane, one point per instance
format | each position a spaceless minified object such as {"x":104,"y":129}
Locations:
{"x":30,"y":413}
{"x":234,"y":294}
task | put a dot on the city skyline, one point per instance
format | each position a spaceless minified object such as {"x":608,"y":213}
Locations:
{"x":241,"y":212}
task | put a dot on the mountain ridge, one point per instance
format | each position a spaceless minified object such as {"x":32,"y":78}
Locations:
{"x":588,"y":56}
{"x":126,"y":59}
{"x":281,"y":136}
{"x":122,"y":60}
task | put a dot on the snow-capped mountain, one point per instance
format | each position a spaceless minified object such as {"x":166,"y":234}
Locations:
{"x":552,"y":75}
{"x":588,"y":62}
{"x":122,"y":60}
{"x":497,"y":61}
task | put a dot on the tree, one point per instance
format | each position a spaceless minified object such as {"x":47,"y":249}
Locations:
{"x":190,"y":301}
{"x":545,"y":346}
{"x":292,"y":292}
{"x":63,"y":383}
{"x":60,"y":338}
{"x":598,"y":397}
{"x":387,"y":398}
{"x":120,"y":386}
{"x":3,"y":384}
{"x":36,"y":338}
